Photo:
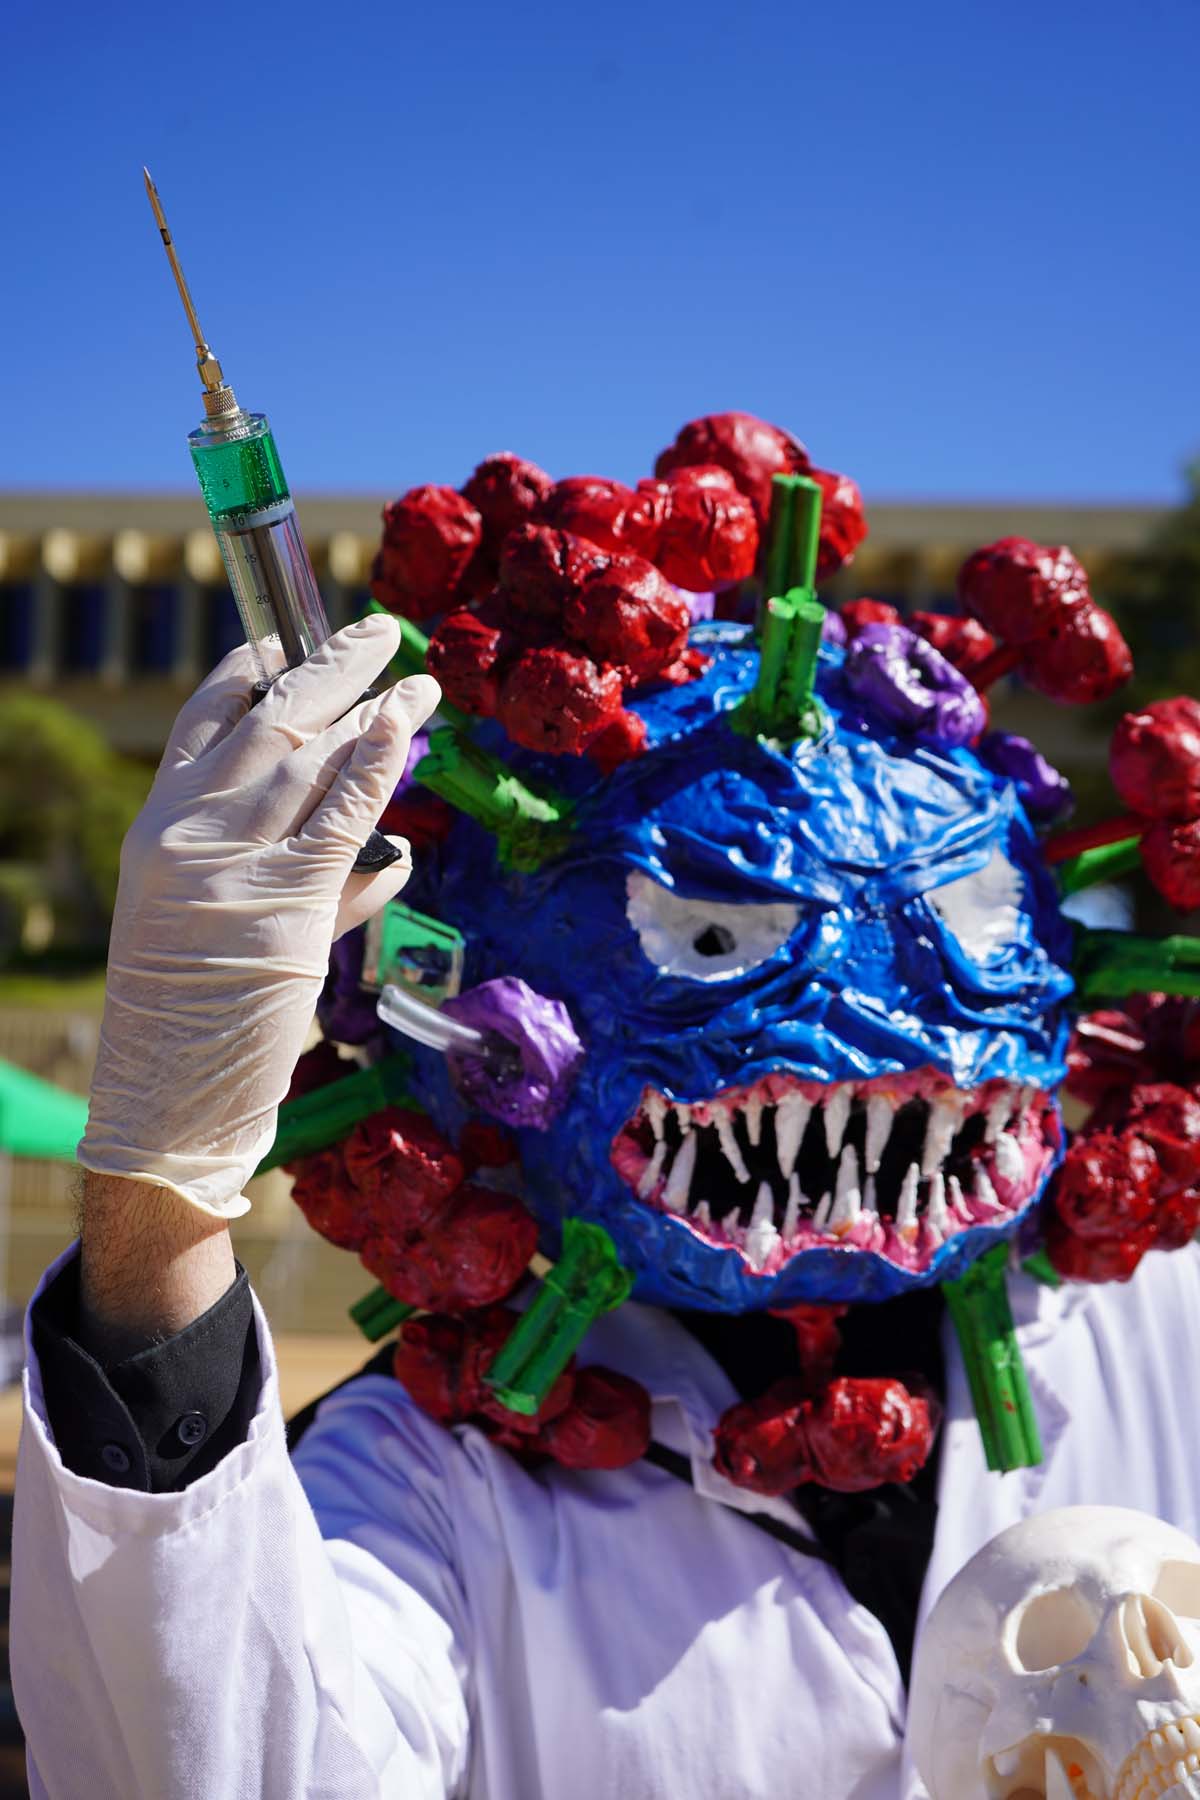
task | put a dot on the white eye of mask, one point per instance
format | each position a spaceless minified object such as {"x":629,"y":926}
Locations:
{"x":981,"y":910}
{"x":704,"y":940}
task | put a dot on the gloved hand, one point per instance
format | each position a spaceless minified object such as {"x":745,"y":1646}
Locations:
{"x":235,"y":878}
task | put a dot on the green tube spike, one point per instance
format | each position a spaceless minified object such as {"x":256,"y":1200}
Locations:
{"x":1042,"y":1269}
{"x":794,"y":535}
{"x":1108,"y":965}
{"x":410,"y":660}
{"x":314,"y":1121}
{"x":1106,"y":862}
{"x":530,"y":827}
{"x":377,"y":1313}
{"x":779,"y":538}
{"x":781,"y":705}
{"x":978,"y":1306}
{"x":587,"y":1280}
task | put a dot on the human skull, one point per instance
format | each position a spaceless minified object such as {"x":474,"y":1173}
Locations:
{"x":1061,"y":1664}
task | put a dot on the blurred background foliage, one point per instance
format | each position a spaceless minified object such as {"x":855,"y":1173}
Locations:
{"x":66,"y":802}
{"x":1155,"y":596}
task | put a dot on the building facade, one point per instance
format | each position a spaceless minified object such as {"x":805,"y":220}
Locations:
{"x":116,"y":604}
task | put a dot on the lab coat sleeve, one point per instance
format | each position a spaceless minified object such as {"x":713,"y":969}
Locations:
{"x":220,"y":1641}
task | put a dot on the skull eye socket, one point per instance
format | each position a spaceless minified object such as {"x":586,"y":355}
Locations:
{"x":1054,"y":1628}
{"x":1178,"y":1587}
{"x":704,"y":940}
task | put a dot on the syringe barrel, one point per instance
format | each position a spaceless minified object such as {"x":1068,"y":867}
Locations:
{"x":255,"y":522}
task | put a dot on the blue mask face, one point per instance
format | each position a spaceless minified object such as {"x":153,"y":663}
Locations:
{"x":821,"y":991}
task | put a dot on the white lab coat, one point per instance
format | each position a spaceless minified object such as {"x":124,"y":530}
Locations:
{"x":408,"y":1613}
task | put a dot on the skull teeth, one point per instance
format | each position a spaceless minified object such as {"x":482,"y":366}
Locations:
{"x":1165,"y":1760}
{"x":1059,"y":1785}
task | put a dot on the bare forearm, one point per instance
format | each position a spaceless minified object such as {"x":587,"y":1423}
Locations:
{"x":150,"y":1264}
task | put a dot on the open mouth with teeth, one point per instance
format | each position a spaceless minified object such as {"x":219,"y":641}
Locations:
{"x":1165,"y":1763}
{"x":896,"y":1165}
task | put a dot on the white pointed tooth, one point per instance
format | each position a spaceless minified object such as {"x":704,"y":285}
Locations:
{"x":753,"y":1112}
{"x":720,"y":1117}
{"x":764,"y":1204}
{"x":847,"y":1204}
{"x":1010,"y":1164}
{"x":906,"y":1205}
{"x":683,"y":1114}
{"x":734,"y":1230}
{"x":679,"y":1182}
{"x":1191,"y":1733}
{"x":791,"y":1212}
{"x":837,"y":1116}
{"x":652,"y":1171}
{"x":1026,"y":1098}
{"x":792,"y":1113}
{"x":870,"y":1198}
{"x":999,"y":1112}
{"x":985,"y":1193}
{"x":655,"y":1109}
{"x":1058,"y":1782}
{"x":945,"y":1116}
{"x":761,"y":1240}
{"x":823,"y":1209}
{"x":881,"y":1111}
{"x":702,"y":1215}
{"x":936,"y":1216}
{"x":1174,"y":1737}
{"x":956,"y":1200}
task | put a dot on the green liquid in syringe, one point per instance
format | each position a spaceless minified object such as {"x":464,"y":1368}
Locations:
{"x":244,"y":476}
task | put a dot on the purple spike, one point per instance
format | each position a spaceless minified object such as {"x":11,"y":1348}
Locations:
{"x":912,"y":685}
{"x":833,"y":629}
{"x":530,"y":1086}
{"x":1044,"y":793}
{"x":345,"y":1013}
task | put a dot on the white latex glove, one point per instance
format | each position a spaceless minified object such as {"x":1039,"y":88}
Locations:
{"x":235,"y":879}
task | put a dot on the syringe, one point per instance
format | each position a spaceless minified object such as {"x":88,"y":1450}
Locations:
{"x":251,"y":512}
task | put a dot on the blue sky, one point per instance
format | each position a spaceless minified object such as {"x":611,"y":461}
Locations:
{"x":953,"y":246}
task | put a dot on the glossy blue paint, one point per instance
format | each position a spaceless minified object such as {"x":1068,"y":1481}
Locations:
{"x":854,"y":830}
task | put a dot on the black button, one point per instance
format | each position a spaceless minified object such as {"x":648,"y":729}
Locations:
{"x":192,"y":1429}
{"x":115,"y":1458}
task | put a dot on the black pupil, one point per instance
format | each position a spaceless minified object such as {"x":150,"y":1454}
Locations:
{"x":715,"y":940}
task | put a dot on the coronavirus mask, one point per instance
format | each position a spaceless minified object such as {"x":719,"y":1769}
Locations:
{"x":757,"y":970}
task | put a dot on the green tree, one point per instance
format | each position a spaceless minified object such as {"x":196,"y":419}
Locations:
{"x":1154,"y":595}
{"x":66,"y":800}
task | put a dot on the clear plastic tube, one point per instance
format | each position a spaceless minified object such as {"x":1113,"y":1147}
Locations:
{"x":255,"y":522}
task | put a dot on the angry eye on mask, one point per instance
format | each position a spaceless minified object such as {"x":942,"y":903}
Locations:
{"x":704,"y":940}
{"x":982,"y":910}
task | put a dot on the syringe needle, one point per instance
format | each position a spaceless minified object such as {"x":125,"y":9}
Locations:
{"x":207,"y":364}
